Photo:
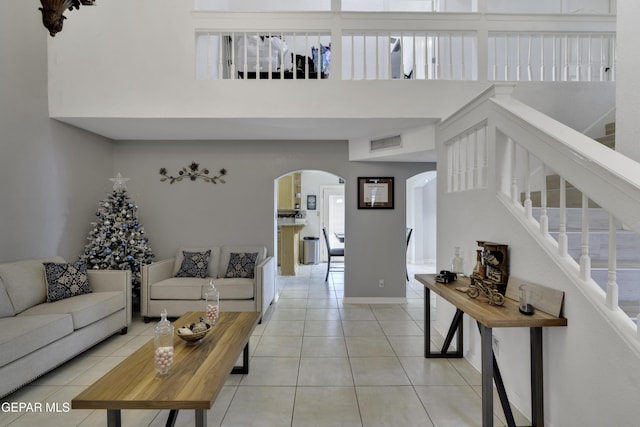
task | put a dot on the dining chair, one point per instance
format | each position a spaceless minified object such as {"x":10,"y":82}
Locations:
{"x":408,"y":232}
{"x":331,"y":252}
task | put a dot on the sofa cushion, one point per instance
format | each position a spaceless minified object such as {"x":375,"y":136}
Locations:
{"x":241,"y":265}
{"x":226,"y":251}
{"x":236,"y":288}
{"x":24,"y":282}
{"x":22,"y":335}
{"x":194,"y":264}
{"x":66,"y":280}
{"x":213,"y":263}
{"x":84,"y":309}
{"x":6,"y":308}
{"x":182,"y":288}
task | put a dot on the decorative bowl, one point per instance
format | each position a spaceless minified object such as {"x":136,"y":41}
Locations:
{"x":192,"y":337}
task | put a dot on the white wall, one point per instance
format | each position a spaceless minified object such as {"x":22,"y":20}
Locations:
{"x":628,"y":85}
{"x":311,"y":182}
{"x":242,"y":211}
{"x":52,"y":175}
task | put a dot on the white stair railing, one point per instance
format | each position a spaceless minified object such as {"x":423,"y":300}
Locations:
{"x":529,"y":147}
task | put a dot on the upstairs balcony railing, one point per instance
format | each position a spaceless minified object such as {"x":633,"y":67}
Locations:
{"x":363,"y":47}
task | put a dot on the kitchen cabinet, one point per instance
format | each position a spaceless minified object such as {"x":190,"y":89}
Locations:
{"x":289,"y":189}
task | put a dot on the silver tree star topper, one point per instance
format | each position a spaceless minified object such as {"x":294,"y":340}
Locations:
{"x":119,"y":182}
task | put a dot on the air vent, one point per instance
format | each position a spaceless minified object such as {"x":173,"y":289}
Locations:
{"x":386,"y":143}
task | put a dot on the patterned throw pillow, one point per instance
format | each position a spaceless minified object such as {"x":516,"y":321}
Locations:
{"x":194,"y":264}
{"x":241,"y":265}
{"x":65,"y":280}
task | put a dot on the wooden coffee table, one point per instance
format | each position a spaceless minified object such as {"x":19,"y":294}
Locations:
{"x":197,"y":376}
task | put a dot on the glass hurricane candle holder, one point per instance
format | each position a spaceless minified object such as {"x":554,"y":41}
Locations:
{"x":211,"y":304}
{"x":163,"y":345}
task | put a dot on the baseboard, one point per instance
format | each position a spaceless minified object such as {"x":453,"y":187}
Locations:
{"x":373,"y":300}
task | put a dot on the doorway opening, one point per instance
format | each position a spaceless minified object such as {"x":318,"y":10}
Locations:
{"x":421,"y":218}
{"x":307,"y":201}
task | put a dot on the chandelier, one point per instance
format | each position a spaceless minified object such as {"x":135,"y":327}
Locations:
{"x":52,"y":12}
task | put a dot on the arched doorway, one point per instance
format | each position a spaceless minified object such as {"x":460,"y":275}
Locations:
{"x":312,"y":199}
{"x":421,"y":217}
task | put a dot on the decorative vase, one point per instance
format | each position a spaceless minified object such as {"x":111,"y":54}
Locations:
{"x":211,"y":304}
{"x":163,"y":345}
{"x":457,"y":262}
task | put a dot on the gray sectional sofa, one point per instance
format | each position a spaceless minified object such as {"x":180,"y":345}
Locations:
{"x":37,"y":336}
{"x":161,"y":289}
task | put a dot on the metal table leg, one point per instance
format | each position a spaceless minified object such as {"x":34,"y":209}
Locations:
{"x":456,"y":326}
{"x":201,"y":418}
{"x":244,"y":369}
{"x":537,"y":386}
{"x":114,"y":418}
{"x":487,"y":376}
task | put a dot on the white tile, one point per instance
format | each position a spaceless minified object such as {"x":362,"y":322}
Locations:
{"x":324,"y":347}
{"x":325,"y":371}
{"x":378,"y":371}
{"x":361,"y":328}
{"x":423,"y":371}
{"x":279,"y":346}
{"x":400,"y":327}
{"x":261,"y":407}
{"x":453,"y":406}
{"x":286,"y":328}
{"x":326,"y":406}
{"x":392,"y":407}
{"x":272,"y":371}
{"x":369,"y":346}
{"x":323,"y":328}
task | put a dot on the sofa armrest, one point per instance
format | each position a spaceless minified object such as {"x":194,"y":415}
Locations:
{"x":152,"y":273}
{"x":265,"y":284}
{"x":112,"y":280}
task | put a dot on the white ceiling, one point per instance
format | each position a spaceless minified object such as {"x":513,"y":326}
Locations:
{"x":245,"y":128}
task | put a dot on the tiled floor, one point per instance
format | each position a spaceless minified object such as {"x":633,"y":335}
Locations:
{"x":315,"y":362}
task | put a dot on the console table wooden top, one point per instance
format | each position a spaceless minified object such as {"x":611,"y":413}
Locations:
{"x":491,"y":316}
{"x":197,"y":376}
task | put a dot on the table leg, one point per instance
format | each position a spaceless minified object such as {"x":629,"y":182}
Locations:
{"x":487,"y":376}
{"x":171,"y":419}
{"x":456,"y":326}
{"x":114,"y":418}
{"x":201,"y":418}
{"x":244,"y":369}
{"x":537,"y":386}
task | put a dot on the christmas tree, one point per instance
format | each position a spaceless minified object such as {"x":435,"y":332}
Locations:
{"x":117,"y":240}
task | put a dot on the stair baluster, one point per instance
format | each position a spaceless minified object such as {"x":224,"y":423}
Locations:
{"x":562,"y":237}
{"x":612,"y":281}
{"x":585,"y":260}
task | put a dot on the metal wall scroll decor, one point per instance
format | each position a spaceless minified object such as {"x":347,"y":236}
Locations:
{"x":52,"y":12}
{"x":193,"y":172}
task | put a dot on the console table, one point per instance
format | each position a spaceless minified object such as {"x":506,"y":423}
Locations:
{"x":489,"y":317}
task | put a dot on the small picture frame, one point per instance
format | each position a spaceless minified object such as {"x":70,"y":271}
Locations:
{"x":311,"y":202}
{"x":375,"y":193}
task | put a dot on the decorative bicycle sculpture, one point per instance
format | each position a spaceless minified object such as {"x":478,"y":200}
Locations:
{"x":487,"y":289}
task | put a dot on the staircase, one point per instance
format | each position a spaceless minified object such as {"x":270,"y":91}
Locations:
{"x":627,"y":242}
{"x":627,"y":252}
{"x":572,"y":194}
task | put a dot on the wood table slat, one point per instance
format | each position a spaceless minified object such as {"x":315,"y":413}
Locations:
{"x":491,"y":316}
{"x":198,"y":373}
